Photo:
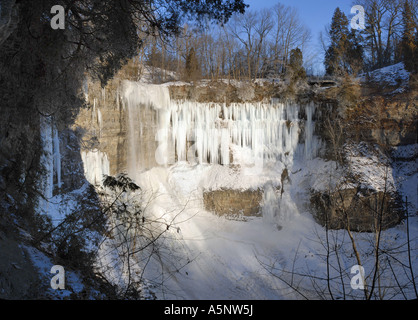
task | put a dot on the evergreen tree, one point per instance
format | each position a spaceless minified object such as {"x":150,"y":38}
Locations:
{"x":192,"y":70}
{"x":296,"y":65}
{"x":335,"y":63}
{"x":355,"y":52}
{"x":345,"y":53}
{"x":409,"y":39}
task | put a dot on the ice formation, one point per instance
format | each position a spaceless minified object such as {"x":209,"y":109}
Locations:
{"x":99,"y":121}
{"x":204,"y":132}
{"x":95,"y":161}
{"x":47,"y":159}
{"x":96,"y":164}
{"x":50,"y":160}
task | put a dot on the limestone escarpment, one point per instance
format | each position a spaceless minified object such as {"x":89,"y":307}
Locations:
{"x":103,"y":124}
{"x":380,"y":121}
{"x":387,"y":121}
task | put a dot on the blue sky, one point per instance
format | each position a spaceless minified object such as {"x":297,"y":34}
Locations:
{"x":316,"y":14}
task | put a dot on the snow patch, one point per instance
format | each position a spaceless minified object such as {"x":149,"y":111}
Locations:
{"x":394,"y":75}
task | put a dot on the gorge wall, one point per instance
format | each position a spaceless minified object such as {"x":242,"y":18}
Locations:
{"x":123,"y":127}
{"x":131,"y":127}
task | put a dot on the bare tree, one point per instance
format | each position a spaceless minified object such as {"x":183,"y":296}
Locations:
{"x":242,"y":27}
{"x":290,"y":33}
{"x":135,"y":238}
{"x":355,"y":222}
{"x":383,"y":28}
{"x":250,"y":45}
{"x":263,"y":28}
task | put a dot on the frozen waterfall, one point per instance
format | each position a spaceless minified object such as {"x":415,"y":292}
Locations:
{"x":95,"y":162}
{"x":96,"y":165}
{"x":163,"y":131}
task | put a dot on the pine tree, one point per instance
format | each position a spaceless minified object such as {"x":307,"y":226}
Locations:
{"x":335,"y":63}
{"x":192,"y":66}
{"x":296,"y":65}
{"x":345,"y":53}
{"x":355,"y":52}
{"x":409,"y":41}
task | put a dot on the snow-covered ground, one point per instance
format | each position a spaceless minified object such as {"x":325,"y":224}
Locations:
{"x":219,"y":258}
{"x":281,"y":254}
{"x":394,"y":75}
{"x":405,"y":173}
{"x":278,"y":255}
{"x":205,"y":256}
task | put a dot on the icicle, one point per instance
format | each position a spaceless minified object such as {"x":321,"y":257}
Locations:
{"x":99,"y":121}
{"x":225,"y":141}
{"x":151,"y":101}
{"x":312,"y":142}
{"x":86,"y":89}
{"x":93,"y":116}
{"x":118,"y":99}
{"x":47,"y":158}
{"x":46,"y":184}
{"x":206,"y":130}
{"x":270,"y":209}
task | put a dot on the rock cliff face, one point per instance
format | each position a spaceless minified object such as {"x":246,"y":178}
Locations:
{"x":378,"y":120}
{"x":233,"y":202}
{"x":384,"y":122}
{"x":110,"y":127}
{"x":103,"y":125}
{"x":387,"y":121}
{"x":357,"y":210}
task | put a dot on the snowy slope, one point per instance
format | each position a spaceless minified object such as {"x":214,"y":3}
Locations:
{"x":209,"y":257}
{"x":394,"y":75}
{"x":280,"y":255}
{"x":405,"y":173}
{"x":204,"y":256}
{"x":225,"y":255}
